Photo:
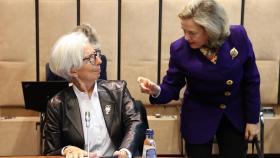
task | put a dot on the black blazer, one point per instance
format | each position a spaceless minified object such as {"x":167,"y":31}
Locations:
{"x":64,"y":125}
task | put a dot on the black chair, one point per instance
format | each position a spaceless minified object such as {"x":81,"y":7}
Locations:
{"x":259,"y":141}
{"x":140,"y":107}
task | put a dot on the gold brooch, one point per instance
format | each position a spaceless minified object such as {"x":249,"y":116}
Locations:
{"x":233,"y":53}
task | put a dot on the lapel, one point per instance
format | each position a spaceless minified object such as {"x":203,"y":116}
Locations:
{"x":73,"y":111}
{"x":107,"y":106}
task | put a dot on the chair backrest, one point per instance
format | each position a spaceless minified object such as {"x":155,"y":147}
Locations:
{"x":139,"y":105}
{"x":269,"y":88}
{"x":50,"y":76}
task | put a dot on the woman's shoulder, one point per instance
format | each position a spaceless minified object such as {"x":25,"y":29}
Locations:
{"x":237,"y":30}
{"x":59,"y":97}
{"x":111,"y":84}
{"x":179,"y":42}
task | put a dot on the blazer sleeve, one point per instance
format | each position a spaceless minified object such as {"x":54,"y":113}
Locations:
{"x":131,"y":120}
{"x":173,"y":81}
{"x":251,"y":83}
{"x":52,"y":143}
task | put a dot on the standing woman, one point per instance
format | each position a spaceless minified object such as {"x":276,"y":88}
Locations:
{"x":222,"y":98}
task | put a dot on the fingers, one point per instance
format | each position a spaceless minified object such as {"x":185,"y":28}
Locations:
{"x":120,"y":154}
{"x":93,"y":155}
{"x":69,"y":155}
{"x":251,"y":131}
{"x":144,"y":80}
{"x":74,"y":152}
{"x":246,"y":135}
{"x":251,"y":136}
{"x":145,"y":85}
{"x":140,"y":79}
{"x":83,"y":154}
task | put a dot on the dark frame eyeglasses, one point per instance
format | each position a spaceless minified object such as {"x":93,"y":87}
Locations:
{"x":92,"y":57}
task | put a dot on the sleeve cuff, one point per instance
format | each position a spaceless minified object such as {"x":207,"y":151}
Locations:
{"x":155,"y":96}
{"x":127,"y":151}
{"x":62,"y":150}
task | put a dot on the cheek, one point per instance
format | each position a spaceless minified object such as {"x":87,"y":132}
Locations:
{"x":204,"y":39}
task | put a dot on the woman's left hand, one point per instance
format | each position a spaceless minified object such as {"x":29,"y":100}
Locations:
{"x":251,"y":131}
{"x":120,"y":154}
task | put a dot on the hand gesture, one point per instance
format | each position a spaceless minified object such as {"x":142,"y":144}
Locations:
{"x":147,"y":86}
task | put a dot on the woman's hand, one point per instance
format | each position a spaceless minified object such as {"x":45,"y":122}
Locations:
{"x":121,"y":154}
{"x":251,"y":131}
{"x":75,"y":152}
{"x":147,"y":86}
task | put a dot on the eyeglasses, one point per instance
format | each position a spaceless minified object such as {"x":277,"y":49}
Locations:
{"x":92,"y":57}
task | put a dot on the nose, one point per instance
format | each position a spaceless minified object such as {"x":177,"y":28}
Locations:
{"x":187,"y":37}
{"x":98,"y":60}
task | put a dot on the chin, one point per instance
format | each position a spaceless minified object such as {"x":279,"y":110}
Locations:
{"x":98,"y":76}
{"x":195,"y":46}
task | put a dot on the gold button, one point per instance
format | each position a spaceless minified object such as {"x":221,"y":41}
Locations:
{"x":227,"y":93}
{"x":229,"y":82}
{"x":222,"y":106}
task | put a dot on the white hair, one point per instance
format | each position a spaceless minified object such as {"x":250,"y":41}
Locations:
{"x":211,"y":16}
{"x":68,"y":53}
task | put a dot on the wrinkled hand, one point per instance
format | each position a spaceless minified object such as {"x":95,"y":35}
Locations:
{"x":120,"y":154}
{"x":251,"y":131}
{"x":75,"y":152}
{"x":147,"y":86}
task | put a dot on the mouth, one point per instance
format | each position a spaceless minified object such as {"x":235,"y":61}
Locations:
{"x":97,"y":70}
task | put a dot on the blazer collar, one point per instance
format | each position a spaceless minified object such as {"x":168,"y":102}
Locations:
{"x":73,"y":111}
{"x":107,"y":106}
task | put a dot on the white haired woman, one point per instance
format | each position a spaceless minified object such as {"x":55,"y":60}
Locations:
{"x":114,"y":124}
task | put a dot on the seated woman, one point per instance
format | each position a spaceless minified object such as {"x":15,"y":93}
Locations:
{"x":95,"y":115}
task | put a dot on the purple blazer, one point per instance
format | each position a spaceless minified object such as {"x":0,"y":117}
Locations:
{"x":230,"y":87}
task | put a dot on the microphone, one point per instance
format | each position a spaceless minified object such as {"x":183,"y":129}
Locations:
{"x":87,"y":119}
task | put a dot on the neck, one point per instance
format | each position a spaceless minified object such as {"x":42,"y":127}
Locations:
{"x":84,"y":86}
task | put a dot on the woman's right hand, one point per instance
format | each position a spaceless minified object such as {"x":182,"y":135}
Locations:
{"x":147,"y":86}
{"x":75,"y":152}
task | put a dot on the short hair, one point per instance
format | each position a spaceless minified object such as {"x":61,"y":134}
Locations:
{"x":211,"y":16}
{"x":68,"y":53}
{"x":90,"y":33}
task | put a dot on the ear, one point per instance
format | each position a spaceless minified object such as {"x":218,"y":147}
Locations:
{"x":74,"y":73}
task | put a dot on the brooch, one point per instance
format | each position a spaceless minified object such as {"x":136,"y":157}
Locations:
{"x":107,"y":109}
{"x":233,"y":53}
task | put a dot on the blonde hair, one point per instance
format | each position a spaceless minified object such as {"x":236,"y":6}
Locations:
{"x":211,"y":16}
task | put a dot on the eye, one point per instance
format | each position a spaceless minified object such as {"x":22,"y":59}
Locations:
{"x":192,"y":33}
